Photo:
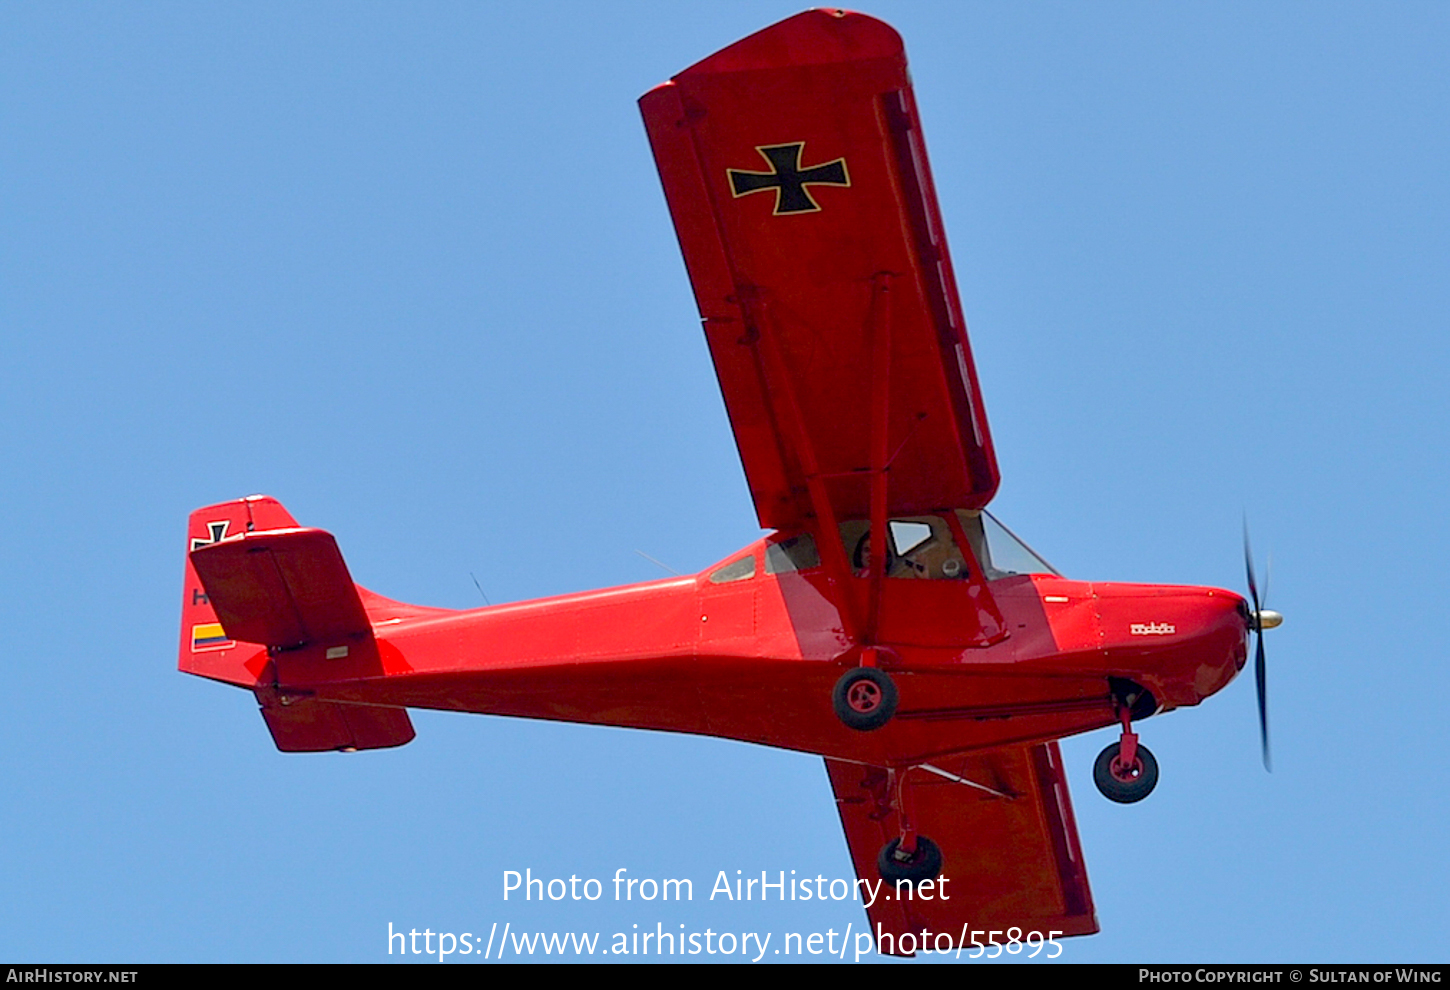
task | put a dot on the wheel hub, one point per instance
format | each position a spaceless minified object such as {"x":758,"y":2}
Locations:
{"x":864,"y":697}
{"x":1127,"y":773}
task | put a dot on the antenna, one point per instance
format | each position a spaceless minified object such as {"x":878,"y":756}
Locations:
{"x":658,"y":563}
{"x":480,"y":588}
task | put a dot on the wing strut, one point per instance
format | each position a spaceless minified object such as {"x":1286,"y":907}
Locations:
{"x":862,"y":628}
{"x":828,"y":538}
{"x":879,"y":332}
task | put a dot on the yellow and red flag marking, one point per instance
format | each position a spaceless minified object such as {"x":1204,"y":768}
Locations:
{"x":209,"y":636}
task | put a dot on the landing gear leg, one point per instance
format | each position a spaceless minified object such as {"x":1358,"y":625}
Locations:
{"x":1126,"y":771}
{"x":911,"y":856}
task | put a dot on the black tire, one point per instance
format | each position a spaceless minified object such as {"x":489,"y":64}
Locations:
{"x":864,"y":698}
{"x":1122,"y":791}
{"x":925,"y":865}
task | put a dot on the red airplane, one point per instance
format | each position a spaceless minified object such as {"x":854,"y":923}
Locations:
{"x":887,"y":623}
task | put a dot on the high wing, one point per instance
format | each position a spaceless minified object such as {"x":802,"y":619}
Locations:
{"x":1009,"y":858}
{"x":797,"y":179}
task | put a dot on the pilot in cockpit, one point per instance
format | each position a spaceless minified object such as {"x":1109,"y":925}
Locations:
{"x":918,"y":547}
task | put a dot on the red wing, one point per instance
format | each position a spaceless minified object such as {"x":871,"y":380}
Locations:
{"x":1008,"y":861}
{"x":797,"y":178}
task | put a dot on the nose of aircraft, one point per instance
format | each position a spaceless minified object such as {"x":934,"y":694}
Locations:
{"x":1220,"y":644}
{"x":1186,"y":643}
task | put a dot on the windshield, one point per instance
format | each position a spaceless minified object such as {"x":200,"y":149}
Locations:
{"x":926,"y":547}
{"x":1002,"y":554}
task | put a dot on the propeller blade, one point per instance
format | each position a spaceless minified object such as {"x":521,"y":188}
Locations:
{"x":1249,"y":568}
{"x":1261,"y":676}
{"x":1256,"y":623}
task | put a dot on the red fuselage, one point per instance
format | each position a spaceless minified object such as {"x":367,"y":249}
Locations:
{"x":755,"y":660}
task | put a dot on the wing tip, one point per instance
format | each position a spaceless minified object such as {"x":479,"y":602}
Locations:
{"x":813,"y":37}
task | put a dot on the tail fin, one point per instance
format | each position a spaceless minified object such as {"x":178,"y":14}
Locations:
{"x":263,"y":593}
{"x":206,"y":649}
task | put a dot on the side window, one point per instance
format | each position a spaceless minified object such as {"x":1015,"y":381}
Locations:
{"x":736,"y":570}
{"x":926,"y":550}
{"x":908,"y":535}
{"x":855,"y":539}
{"x":919,"y":547}
{"x":795,"y":554}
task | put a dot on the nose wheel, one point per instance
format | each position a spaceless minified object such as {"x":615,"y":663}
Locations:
{"x":1123,"y":781}
{"x":1126,"y":771}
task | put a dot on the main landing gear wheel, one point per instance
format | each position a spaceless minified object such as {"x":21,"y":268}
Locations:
{"x":1125,"y":784}
{"x":864,"y":698}
{"x":924,"y":864}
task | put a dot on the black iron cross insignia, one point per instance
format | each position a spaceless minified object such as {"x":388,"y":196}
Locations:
{"x":218,"y":532}
{"x":788,"y":179}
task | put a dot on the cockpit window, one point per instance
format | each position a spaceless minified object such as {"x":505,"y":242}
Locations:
{"x":918,"y":547}
{"x":736,"y":570}
{"x":795,"y":554}
{"x":1002,"y":554}
{"x":908,"y":535}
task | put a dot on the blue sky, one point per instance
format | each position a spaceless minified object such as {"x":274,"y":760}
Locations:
{"x":408,"y":268}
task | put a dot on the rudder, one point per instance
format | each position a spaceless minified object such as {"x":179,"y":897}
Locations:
{"x":205,"y":648}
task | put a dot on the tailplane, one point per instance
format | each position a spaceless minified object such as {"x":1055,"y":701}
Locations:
{"x":269,"y":603}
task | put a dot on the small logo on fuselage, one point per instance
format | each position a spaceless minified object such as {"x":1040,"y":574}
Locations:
{"x":1152,"y":628}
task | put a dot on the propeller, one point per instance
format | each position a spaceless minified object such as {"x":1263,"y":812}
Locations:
{"x":1259,"y":620}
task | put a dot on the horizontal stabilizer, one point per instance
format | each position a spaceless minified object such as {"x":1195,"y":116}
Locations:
{"x":281,"y":587}
{"x":308,"y":725}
